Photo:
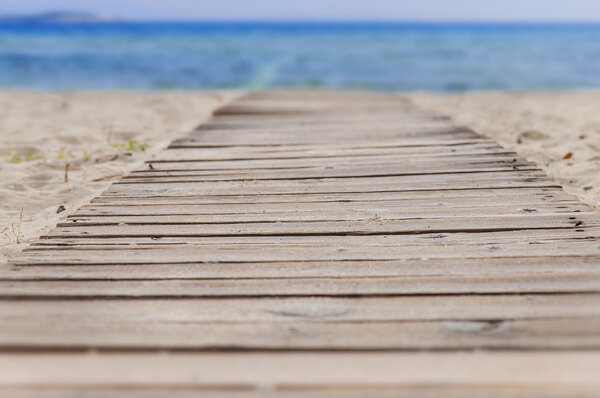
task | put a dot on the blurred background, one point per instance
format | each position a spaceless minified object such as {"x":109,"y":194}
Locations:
{"x":394,"y":45}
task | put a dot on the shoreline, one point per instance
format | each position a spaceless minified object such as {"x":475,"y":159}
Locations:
{"x":105,"y":134}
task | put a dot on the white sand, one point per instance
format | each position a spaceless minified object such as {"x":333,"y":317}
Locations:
{"x":558,"y":131}
{"x":41,"y":132}
{"x":91,"y":132}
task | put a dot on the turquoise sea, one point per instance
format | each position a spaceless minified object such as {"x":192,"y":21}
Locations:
{"x":393,"y":56}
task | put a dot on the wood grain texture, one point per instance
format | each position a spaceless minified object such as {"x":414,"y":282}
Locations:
{"x":319,"y":244}
{"x":570,"y":371}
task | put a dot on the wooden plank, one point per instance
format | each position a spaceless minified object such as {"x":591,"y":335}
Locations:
{"x":376,"y":116}
{"x":554,"y":334}
{"x":444,"y":206}
{"x":490,"y":242}
{"x":366,"y":286}
{"x":231,"y":214}
{"x":233,"y":254}
{"x":307,"y":162}
{"x":239,"y":173}
{"x":323,"y":109}
{"x":287,"y":175}
{"x":341,"y":117}
{"x":401,"y":147}
{"x":525,"y":179}
{"x":300,"y":391}
{"x":281,"y":130}
{"x":573,"y":371}
{"x":370,"y":226}
{"x":526,"y":236}
{"x":552,"y":194}
{"x":158,"y":267}
{"x":311,"y":309}
{"x":491,"y":177}
{"x":350,"y":149}
{"x":273,"y":141}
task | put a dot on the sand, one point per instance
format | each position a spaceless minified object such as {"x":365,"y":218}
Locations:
{"x":105,"y":135}
{"x":100,"y":135}
{"x":558,"y":131}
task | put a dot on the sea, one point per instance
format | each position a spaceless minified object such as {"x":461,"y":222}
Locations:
{"x":439,"y":57}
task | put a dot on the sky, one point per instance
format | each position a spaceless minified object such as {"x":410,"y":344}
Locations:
{"x":315,"y":10}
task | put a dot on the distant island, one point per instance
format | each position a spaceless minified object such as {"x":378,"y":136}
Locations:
{"x":56,"y":17}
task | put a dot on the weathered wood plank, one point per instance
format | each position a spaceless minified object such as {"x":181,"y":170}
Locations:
{"x":357,"y":139}
{"x":234,"y":254}
{"x":471,"y":242}
{"x":441,"y":207}
{"x":495,"y":176}
{"x":231,"y":214}
{"x":303,"y":391}
{"x":323,"y":186}
{"x":368,"y":226}
{"x":557,"y":333}
{"x":159,"y":267}
{"x":340,"y":150}
{"x":366,"y":286}
{"x":451,"y":149}
{"x":574,"y":371}
{"x":312,"y":309}
{"x":239,"y":173}
{"x":341,"y":118}
{"x":553,"y":194}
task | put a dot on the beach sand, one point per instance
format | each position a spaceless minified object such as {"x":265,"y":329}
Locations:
{"x":558,"y":131}
{"x":100,"y":135}
{"x":104,"y":135}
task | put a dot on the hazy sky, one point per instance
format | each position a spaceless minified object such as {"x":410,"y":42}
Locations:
{"x":450,"y":10}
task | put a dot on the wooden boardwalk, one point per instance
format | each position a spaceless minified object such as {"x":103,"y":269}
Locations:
{"x":316,"y":244}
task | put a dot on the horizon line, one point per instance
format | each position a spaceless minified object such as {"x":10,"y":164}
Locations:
{"x":317,"y":21}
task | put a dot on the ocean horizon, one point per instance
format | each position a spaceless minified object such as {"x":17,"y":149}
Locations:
{"x":386,"y":56}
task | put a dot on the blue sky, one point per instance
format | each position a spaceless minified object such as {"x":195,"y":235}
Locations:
{"x":445,"y":10}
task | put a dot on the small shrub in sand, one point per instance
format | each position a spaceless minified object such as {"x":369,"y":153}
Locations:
{"x":15,"y":158}
{"x":15,"y":229}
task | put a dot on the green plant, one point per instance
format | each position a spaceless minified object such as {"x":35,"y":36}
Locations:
{"x":133,"y":145}
{"x":62,"y":155}
{"x":32,"y":156}
{"x":15,"y":158}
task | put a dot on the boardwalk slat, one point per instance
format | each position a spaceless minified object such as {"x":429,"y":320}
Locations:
{"x":551,"y":334}
{"x":366,"y":286}
{"x":570,"y":371}
{"x":228,"y":214}
{"x":518,"y":194}
{"x":204,"y":159}
{"x":374,"y":225}
{"x":39,"y":267}
{"x":398,"y":208}
{"x":318,"y":310}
